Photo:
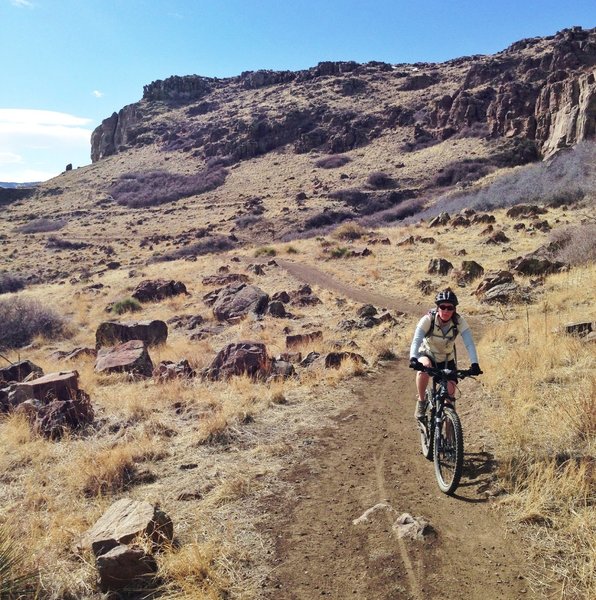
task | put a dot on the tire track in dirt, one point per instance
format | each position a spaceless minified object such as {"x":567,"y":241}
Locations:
{"x":372,"y":455}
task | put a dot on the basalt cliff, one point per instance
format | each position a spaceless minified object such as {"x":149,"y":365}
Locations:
{"x":540,"y":90}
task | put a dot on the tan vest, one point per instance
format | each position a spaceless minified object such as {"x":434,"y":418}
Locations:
{"x":440,"y":344}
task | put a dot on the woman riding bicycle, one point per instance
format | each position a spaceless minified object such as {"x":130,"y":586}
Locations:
{"x":434,"y":344}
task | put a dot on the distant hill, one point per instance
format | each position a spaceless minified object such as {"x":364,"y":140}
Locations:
{"x":203,"y":164}
{"x":12,"y":185}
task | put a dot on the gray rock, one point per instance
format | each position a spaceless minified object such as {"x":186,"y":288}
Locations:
{"x":130,"y":357}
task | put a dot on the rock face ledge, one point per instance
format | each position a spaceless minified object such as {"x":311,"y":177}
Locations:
{"x":539,"y":89}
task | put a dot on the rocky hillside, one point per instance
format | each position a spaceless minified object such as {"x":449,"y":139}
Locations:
{"x":202,"y":164}
{"x":539,"y":89}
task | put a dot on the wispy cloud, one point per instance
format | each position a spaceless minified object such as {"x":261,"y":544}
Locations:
{"x":22,"y":3}
{"x":97,"y":94}
{"x":40,"y":141}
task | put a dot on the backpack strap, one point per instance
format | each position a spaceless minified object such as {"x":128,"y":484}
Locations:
{"x":432,"y":314}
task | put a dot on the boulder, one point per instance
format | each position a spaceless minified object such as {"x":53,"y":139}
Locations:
{"x":130,"y":357}
{"x":276,"y":309}
{"x":225,"y":279}
{"x":110,"y":333}
{"x":158,"y":289}
{"x":62,"y":385}
{"x":75,"y":354}
{"x":441,"y":219}
{"x":124,"y":521}
{"x":525,"y":211}
{"x":498,"y":237}
{"x":439,"y":266}
{"x":580,"y":329}
{"x":167,"y":370}
{"x":300,"y":339}
{"x":19,"y":371}
{"x":241,"y":358}
{"x":186,"y":321}
{"x":52,"y":420}
{"x":494,"y":279}
{"x":333,"y":360}
{"x":469,"y":271}
{"x":536,"y":266}
{"x":238,"y":300}
{"x":125,"y":566}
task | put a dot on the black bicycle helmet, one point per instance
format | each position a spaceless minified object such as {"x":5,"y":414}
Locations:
{"x":446,"y":296}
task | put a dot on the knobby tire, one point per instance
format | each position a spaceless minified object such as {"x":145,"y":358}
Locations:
{"x":449,"y":461}
{"x":427,"y":438}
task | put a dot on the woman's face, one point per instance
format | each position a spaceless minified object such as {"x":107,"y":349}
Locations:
{"x":446,"y":311}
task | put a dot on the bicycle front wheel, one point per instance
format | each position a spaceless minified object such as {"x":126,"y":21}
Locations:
{"x":427,"y":428}
{"x":449,"y":451}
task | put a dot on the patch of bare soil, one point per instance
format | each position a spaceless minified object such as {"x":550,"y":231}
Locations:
{"x":371,"y":455}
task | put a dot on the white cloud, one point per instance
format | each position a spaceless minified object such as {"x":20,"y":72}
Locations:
{"x":22,"y":3}
{"x":41,"y":143}
{"x":97,"y":93}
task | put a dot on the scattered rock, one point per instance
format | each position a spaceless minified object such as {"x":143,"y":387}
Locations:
{"x":469,"y":271}
{"x":241,"y":358}
{"x":536,"y":266}
{"x":225,"y":279}
{"x":303,"y":338}
{"x":19,"y":371}
{"x":124,"y":566}
{"x":580,"y":329}
{"x":130,"y":357}
{"x":415,"y":528}
{"x":186,"y":321}
{"x":525,"y":211}
{"x":167,"y":370}
{"x":441,"y":219}
{"x":333,"y":360}
{"x":237,"y":300}
{"x":158,"y":289}
{"x":439,"y":266}
{"x":110,"y":333}
{"x":498,"y":237}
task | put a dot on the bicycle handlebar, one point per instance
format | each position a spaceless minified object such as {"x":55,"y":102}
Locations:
{"x":436,"y":372}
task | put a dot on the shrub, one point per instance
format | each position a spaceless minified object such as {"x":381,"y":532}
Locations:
{"x":247,"y":220}
{"x":465,"y":171}
{"x":291,"y":250}
{"x":207,"y":246}
{"x":329,"y":217}
{"x":153,"y":188}
{"x":339,"y":252}
{"x":10,"y":283}
{"x":577,"y":244}
{"x":332,"y":162}
{"x":266,"y":251}
{"x":23,"y":319}
{"x":351,"y":196}
{"x":349,"y":231}
{"x":379,"y":180}
{"x":56,"y":243}
{"x":42,"y":225}
{"x":126,"y":305}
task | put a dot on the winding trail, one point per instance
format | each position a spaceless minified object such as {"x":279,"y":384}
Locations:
{"x":371,"y":455}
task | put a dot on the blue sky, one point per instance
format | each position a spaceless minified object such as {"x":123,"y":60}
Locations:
{"x":68,"y":64}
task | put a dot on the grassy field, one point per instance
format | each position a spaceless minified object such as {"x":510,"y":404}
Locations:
{"x":539,"y":385}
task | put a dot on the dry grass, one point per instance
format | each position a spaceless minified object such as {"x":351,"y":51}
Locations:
{"x":544,"y":428}
{"x":240,"y":433}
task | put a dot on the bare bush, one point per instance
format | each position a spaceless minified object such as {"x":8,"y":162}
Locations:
{"x":212,"y":245}
{"x":379,"y":180}
{"x":577,"y":244}
{"x":464,"y":171}
{"x":349,"y":231}
{"x":247,"y":220}
{"x":10,"y":283}
{"x":570,"y":171}
{"x":24,"y":319}
{"x":153,"y":188}
{"x":56,"y":243}
{"x":325,"y":218}
{"x":333,"y":161}
{"x":42,"y":225}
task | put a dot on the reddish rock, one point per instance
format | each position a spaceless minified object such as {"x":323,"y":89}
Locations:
{"x":19,"y":371}
{"x":303,"y":338}
{"x":158,"y":289}
{"x":125,"y":566}
{"x":62,"y":385}
{"x":242,"y":358}
{"x":130,"y":357}
{"x":110,"y":333}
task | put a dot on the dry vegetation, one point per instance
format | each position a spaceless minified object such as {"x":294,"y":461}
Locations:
{"x":210,"y":452}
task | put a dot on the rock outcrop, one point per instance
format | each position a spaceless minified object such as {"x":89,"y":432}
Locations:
{"x":542,"y":90}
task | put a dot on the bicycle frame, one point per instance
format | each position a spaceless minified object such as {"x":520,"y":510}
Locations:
{"x":441,"y":433}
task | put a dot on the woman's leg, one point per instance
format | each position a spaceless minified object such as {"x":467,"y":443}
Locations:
{"x":421,"y":383}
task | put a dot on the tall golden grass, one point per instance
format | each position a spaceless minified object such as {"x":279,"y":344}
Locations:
{"x":544,"y":425}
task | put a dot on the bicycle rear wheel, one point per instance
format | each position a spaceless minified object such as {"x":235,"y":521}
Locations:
{"x":449,"y":451}
{"x":427,"y":428}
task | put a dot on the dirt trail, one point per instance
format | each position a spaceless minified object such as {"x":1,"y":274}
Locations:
{"x":372,"y":456}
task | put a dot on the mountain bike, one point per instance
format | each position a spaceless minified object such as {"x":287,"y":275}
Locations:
{"x":441,"y":434}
